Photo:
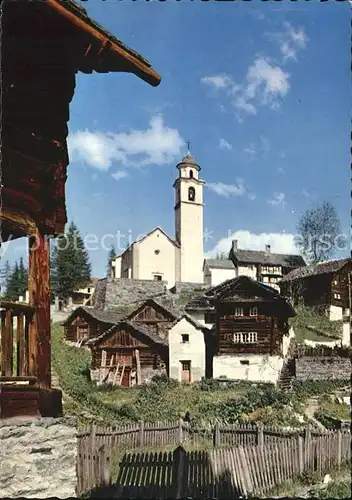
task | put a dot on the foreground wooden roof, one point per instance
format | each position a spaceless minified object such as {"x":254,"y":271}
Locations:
{"x":44,"y":45}
{"x":105,"y":52}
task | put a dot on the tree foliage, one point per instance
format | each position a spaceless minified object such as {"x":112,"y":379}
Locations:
{"x":16,"y":280}
{"x":112,"y":255}
{"x":318,"y":232}
{"x":70,"y":267}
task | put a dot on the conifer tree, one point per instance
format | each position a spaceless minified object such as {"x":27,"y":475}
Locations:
{"x":112,"y":255}
{"x":71,"y":267}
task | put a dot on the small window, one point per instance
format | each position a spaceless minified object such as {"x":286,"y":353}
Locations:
{"x":88,"y":290}
{"x":238,"y":311}
{"x":253,"y":311}
{"x":191,"y":194}
{"x":156,"y":252}
{"x":185,"y":338}
{"x":191,"y":174}
{"x":336,"y":282}
{"x":158,"y":277}
{"x":237,"y":338}
{"x":244,"y":362}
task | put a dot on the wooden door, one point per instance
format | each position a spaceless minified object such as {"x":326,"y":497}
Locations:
{"x":185,"y":371}
{"x":126,"y":379}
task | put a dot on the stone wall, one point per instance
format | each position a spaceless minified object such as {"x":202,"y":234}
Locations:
{"x":322,"y":368}
{"x":38,"y":458}
{"x":124,"y":291}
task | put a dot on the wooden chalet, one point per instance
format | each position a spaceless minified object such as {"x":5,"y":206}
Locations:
{"x":327,"y":284}
{"x":250,"y":323}
{"x":128,"y":353}
{"x":86,"y":323}
{"x":44,"y":45}
{"x":265,"y":266}
{"x":136,"y":348}
{"x":250,"y":317}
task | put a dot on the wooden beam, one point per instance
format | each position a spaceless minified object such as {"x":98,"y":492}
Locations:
{"x":138,"y":367}
{"x":140,"y":68}
{"x":39,"y":298}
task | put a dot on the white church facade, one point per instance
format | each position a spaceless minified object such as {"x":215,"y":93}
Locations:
{"x":157,"y":256}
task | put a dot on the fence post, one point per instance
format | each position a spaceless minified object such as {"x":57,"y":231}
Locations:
{"x":104,"y":467}
{"x":180,"y":430}
{"x":300,"y":454}
{"x":141,"y":434}
{"x":216,"y":435}
{"x":260,"y":435}
{"x":93,"y":449}
{"x":178,"y":472}
{"x":307,"y":447}
{"x":339,"y":448}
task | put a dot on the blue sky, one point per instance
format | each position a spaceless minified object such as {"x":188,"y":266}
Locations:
{"x":262,"y":91}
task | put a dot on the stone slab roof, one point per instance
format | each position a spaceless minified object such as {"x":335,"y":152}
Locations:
{"x":219,"y":263}
{"x":328,"y":267}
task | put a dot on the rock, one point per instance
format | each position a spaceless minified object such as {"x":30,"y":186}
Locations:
{"x":38,"y":458}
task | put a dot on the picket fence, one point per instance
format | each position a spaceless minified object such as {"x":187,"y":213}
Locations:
{"x":235,"y":448}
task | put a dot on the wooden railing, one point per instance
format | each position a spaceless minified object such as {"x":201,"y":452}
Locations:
{"x":15,"y":342}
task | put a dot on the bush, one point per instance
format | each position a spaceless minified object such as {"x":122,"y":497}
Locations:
{"x":209,"y":384}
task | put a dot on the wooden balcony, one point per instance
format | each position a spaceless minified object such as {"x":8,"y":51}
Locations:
{"x":21,"y":393}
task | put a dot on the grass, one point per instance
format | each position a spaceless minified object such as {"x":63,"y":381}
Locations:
{"x":307,"y":485}
{"x":314,"y":316}
{"x":166,"y":399}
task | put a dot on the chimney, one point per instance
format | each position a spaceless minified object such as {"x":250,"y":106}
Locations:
{"x":234,"y":245}
{"x":267,"y":249}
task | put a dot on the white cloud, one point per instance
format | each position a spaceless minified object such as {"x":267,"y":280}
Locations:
{"x":228,"y":190}
{"x":218,"y":81}
{"x":278,"y":200}
{"x":291,"y":41}
{"x":279,"y":242}
{"x":120,"y":174}
{"x":253,"y":150}
{"x":280,"y":170}
{"x":157,"y":145}
{"x":264,"y":85}
{"x":250,"y":150}
{"x":224,"y":144}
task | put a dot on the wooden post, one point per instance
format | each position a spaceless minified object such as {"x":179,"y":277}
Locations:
{"x":260,"y":435}
{"x":39,"y":298}
{"x":105,"y":478}
{"x":141,"y":434}
{"x":307,"y":447}
{"x":216,"y":435}
{"x":339,"y":448}
{"x":349,"y":299}
{"x":300,"y":454}
{"x":180,"y":430}
{"x":139,"y":381}
{"x":178,"y":473}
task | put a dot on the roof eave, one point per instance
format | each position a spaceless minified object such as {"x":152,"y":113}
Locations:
{"x":134,"y":65}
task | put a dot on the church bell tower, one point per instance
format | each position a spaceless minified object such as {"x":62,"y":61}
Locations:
{"x":189,"y":221}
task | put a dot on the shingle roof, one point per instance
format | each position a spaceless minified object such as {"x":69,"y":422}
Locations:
{"x":220,"y":263}
{"x":138,"y":327}
{"x":79,"y":11}
{"x":331,"y":266}
{"x":271,"y":259}
{"x":206,"y":302}
{"x":109,"y":317}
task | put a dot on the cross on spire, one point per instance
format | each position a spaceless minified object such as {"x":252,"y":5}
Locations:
{"x":188,"y":145}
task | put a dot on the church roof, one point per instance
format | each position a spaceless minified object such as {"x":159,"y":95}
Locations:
{"x":189,"y":160}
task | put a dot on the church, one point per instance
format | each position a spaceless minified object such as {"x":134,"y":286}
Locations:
{"x":157,"y":256}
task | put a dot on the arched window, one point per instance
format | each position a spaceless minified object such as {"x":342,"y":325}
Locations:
{"x":191,"y":174}
{"x":191,"y":194}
